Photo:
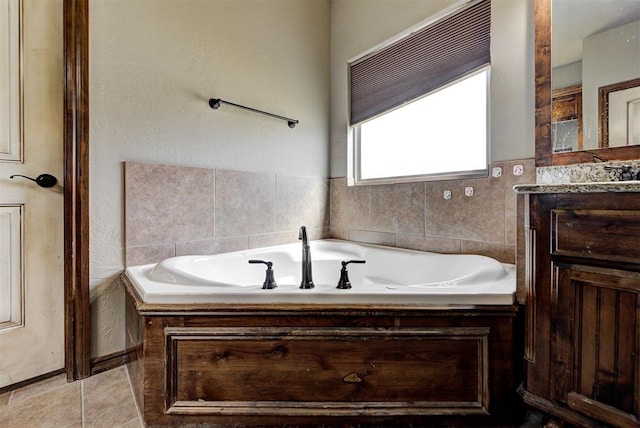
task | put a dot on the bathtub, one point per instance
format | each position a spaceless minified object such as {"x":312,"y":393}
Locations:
{"x":389,"y":276}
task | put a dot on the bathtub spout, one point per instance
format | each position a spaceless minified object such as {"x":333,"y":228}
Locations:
{"x":307,"y":278}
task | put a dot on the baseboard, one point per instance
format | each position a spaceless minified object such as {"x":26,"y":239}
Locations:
{"x":98,"y":365}
{"x":111,"y":361}
{"x":33,"y":380}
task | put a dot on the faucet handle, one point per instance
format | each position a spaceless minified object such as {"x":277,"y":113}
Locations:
{"x":269,"y":281}
{"x":344,"y":283}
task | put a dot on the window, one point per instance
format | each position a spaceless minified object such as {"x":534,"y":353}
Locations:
{"x":420,"y":106}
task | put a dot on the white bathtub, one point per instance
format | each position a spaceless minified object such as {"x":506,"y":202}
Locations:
{"x":390,"y":275}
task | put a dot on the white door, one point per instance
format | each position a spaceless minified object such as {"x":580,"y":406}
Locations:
{"x":31,"y":217}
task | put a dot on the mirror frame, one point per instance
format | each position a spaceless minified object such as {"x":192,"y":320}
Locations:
{"x":543,"y":150}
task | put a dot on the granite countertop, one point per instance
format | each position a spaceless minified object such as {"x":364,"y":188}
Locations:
{"x":592,"y":187}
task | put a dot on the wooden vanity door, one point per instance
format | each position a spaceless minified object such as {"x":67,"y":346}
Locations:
{"x":596,"y":342}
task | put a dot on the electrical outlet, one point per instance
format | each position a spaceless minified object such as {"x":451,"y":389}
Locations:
{"x":496,"y":172}
{"x":518,"y":170}
{"x":468,"y":191}
{"x":447,"y":194}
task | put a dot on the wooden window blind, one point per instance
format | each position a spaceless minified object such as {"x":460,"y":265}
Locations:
{"x":423,"y":61}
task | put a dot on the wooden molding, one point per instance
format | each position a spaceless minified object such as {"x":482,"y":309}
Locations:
{"x":111,"y":361}
{"x":603,"y":106}
{"x":76,"y":188}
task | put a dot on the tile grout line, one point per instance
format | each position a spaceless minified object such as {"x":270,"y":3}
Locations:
{"x":82,"y":402}
{"x":12,"y":393}
{"x":133,"y":396}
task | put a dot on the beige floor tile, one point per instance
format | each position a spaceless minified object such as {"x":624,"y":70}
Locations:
{"x":108,"y":400}
{"x":4,"y":399}
{"x":38,"y":388}
{"x":135,"y":423}
{"x":58,"y":408}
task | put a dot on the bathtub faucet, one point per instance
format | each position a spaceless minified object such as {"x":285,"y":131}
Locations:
{"x":307,"y":279}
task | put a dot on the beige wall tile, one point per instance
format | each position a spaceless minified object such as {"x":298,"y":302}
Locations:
{"x":301,"y":201}
{"x":511,"y":224}
{"x":371,"y":237}
{"x":479,"y":217}
{"x":340,"y":233}
{"x":212,"y":246}
{"x":269,"y":239}
{"x":504,"y":253}
{"x":149,"y":254}
{"x":428,"y":243}
{"x":398,"y":208}
{"x":165,"y":203}
{"x":350,"y":206}
{"x":288,"y":237}
{"x":245,"y":203}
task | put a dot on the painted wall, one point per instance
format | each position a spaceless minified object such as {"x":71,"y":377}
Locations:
{"x":566,"y":75}
{"x":153,"y":66}
{"x":359,"y":25}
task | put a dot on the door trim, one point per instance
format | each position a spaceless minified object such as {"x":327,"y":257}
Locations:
{"x":76,"y":189}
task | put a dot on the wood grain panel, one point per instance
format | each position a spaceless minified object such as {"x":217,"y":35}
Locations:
{"x":587,"y":326}
{"x":76,"y":189}
{"x":599,"y":234}
{"x":606,"y":374}
{"x":277,"y":371}
{"x":600,"y":319}
{"x":627,"y":345}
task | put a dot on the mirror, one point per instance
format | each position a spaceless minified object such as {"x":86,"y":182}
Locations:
{"x":595,"y":47}
{"x":579,"y":47}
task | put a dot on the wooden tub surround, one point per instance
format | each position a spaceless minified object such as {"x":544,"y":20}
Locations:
{"x":311,"y":365}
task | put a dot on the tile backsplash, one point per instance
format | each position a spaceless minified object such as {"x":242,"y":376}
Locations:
{"x":175,"y":210}
{"x":419,"y":216}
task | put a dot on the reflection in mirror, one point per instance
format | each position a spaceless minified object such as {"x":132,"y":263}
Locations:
{"x":595,"y":48}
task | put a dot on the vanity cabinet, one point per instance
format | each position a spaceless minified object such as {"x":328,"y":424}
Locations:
{"x":582,"y":350}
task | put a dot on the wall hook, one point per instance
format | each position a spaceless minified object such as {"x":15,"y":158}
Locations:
{"x":215,"y":103}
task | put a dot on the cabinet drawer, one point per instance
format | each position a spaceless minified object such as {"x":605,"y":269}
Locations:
{"x":598,"y":234}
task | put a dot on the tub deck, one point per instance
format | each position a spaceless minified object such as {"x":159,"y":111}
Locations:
{"x":389,"y":276}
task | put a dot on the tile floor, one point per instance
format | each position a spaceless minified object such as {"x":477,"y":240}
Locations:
{"x":104,"y":400}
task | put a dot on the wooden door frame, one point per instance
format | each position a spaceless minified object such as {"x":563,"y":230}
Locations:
{"x":76,"y":189}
